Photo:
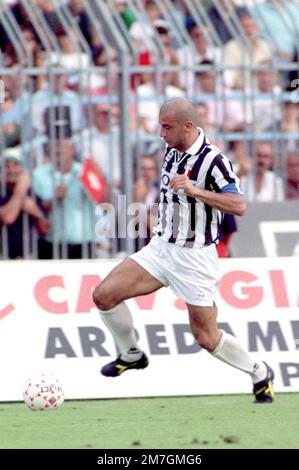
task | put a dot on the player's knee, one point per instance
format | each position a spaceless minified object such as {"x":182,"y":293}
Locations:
{"x":102,"y":298}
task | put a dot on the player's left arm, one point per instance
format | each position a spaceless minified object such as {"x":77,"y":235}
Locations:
{"x":229,"y":200}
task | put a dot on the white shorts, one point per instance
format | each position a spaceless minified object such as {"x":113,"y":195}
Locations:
{"x":191,"y":273}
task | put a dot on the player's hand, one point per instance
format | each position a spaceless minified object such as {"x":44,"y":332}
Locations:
{"x":182,"y":182}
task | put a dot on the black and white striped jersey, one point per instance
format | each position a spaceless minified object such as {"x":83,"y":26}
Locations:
{"x":184,"y":220}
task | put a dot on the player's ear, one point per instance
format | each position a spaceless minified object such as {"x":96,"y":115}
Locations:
{"x":188,"y":125}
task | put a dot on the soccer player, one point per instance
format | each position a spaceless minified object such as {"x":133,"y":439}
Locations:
{"x":197,"y":184}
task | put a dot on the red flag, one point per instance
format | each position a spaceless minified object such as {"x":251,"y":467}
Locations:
{"x":93,"y":180}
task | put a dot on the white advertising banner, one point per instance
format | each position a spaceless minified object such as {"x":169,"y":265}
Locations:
{"x":48,"y":323}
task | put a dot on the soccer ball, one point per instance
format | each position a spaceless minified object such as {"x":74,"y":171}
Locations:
{"x":43,"y":392}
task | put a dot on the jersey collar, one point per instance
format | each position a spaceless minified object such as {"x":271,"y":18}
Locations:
{"x":195,"y":147}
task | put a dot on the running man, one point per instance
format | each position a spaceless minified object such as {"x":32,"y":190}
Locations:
{"x":197,"y":185}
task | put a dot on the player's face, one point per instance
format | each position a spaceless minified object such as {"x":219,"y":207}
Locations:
{"x":172,"y":131}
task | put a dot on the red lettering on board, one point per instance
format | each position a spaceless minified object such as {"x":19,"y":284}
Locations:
{"x":145,"y":302}
{"x":279,"y":288}
{"x":42,"y":291}
{"x":85,"y":302}
{"x":251,"y":295}
{"x":6,"y":310}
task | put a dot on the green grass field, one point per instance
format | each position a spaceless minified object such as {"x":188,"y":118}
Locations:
{"x":203,"y":422}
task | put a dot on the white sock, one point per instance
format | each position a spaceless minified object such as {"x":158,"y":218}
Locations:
{"x":120,"y":324}
{"x":230,"y":350}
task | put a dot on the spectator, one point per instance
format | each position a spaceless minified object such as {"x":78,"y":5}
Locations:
{"x":72,"y":59}
{"x":191,"y":55}
{"x":16,"y":107}
{"x":237,"y":54}
{"x":290,"y":124}
{"x":278,"y":22}
{"x":142,"y":32}
{"x":62,"y":196}
{"x":238,"y":155}
{"x":11,"y":130}
{"x":264,"y":105}
{"x":54,"y":96}
{"x":224,"y":110}
{"x":40,"y":61}
{"x":48,"y":10}
{"x":148,"y":179}
{"x":107,"y":82}
{"x":262,"y":184}
{"x":21,"y":15}
{"x":101,"y":142}
{"x":169,"y":54}
{"x":15,"y":202}
{"x":147,"y":191}
{"x":204,"y":121}
{"x":30,"y":39}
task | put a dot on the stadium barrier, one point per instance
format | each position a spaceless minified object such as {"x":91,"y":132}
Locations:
{"x":53,"y":326}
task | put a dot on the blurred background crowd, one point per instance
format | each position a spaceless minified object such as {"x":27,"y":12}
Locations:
{"x":83,"y":80}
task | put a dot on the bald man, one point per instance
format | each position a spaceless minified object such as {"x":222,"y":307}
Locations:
{"x":197,"y":185}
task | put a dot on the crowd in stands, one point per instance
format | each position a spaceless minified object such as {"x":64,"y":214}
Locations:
{"x":63,"y":71}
